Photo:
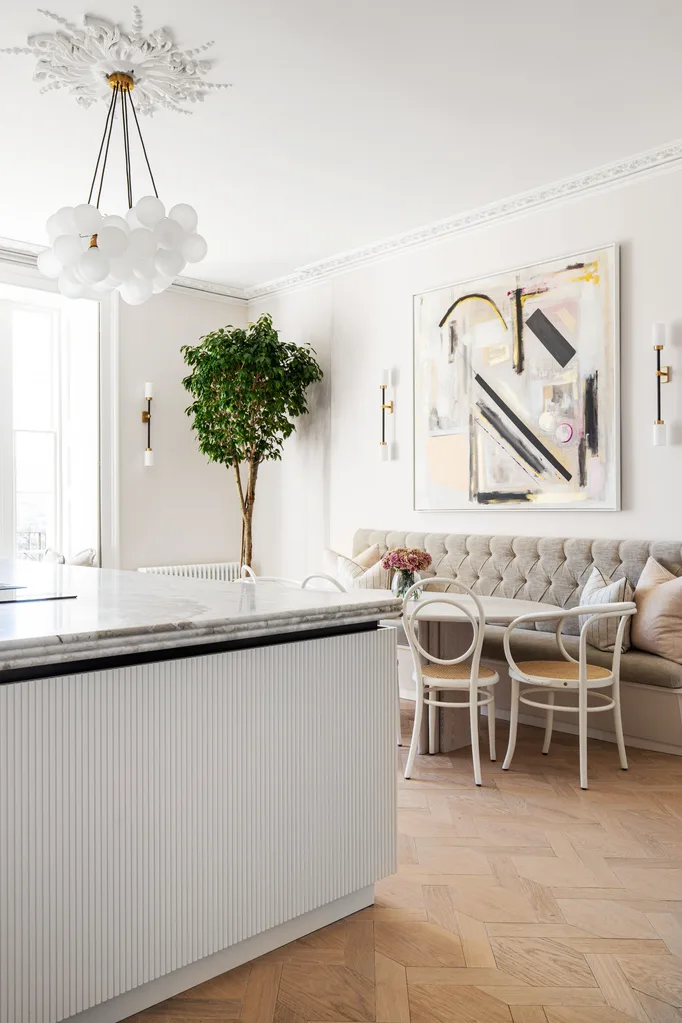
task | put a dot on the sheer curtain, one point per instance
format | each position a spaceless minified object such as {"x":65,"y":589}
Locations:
{"x":49,"y":423}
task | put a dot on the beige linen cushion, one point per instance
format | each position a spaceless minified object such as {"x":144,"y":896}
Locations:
{"x":599,"y":589}
{"x":657,"y":626}
{"x":367,"y":559}
{"x":355,"y":577}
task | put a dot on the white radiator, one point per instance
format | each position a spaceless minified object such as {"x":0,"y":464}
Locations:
{"x":223,"y":571}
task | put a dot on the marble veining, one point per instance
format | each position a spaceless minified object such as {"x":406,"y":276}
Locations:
{"x":118,"y":613}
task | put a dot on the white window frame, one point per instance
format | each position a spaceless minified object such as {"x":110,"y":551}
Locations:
{"x":19,"y":268}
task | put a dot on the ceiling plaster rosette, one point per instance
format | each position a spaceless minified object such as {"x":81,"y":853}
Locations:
{"x":81,"y":60}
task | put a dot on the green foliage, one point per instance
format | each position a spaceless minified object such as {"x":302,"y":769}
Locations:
{"x":247,"y":387}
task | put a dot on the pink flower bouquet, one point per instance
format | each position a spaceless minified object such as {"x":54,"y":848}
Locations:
{"x":405,"y":561}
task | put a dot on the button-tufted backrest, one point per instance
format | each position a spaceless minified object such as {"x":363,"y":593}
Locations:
{"x":543,"y":568}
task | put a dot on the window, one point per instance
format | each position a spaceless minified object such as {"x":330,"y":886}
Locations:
{"x":49,"y":414}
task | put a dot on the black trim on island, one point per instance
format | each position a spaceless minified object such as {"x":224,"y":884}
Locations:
{"x":88,"y":664}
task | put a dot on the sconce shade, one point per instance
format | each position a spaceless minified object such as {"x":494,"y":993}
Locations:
{"x":659,"y":435}
{"x":148,"y":458}
{"x":149,"y":390}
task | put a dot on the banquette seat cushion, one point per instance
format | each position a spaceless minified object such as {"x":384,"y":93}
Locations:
{"x":553,"y":570}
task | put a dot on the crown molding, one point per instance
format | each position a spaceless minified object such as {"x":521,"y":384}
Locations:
{"x":601,"y":178}
{"x":25,"y":253}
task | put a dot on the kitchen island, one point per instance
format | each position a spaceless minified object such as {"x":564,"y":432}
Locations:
{"x":191,"y":774}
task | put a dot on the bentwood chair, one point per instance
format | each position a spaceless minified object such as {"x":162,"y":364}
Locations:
{"x":463,"y":674}
{"x":569,"y":675}
{"x":249,"y":576}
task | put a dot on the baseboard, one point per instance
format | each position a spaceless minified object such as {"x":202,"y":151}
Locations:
{"x":159,"y":990}
{"x":593,"y":733}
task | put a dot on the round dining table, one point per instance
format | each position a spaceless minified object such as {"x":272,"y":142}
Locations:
{"x":445,"y":631}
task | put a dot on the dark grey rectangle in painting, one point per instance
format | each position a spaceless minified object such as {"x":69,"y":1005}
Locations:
{"x":553,"y":340}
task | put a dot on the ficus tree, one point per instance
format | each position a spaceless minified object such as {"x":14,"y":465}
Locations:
{"x":248,"y":387}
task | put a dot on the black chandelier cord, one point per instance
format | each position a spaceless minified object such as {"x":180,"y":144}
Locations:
{"x":106,"y":148}
{"x":107,"y":123}
{"x":144,"y":148}
{"x":126,"y":146}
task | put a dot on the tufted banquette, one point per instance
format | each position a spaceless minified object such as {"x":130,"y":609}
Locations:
{"x":549,"y":569}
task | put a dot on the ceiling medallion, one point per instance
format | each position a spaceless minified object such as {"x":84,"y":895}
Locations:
{"x":81,"y":60}
{"x":138,"y":254}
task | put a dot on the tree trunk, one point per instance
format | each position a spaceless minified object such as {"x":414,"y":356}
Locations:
{"x":246,"y":501}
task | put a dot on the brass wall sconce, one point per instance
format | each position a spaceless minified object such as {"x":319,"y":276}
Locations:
{"x":662,"y":377}
{"x":147,"y":419}
{"x":386,"y":406}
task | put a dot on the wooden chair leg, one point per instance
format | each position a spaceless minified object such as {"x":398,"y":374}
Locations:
{"x":618,"y":722}
{"x":513,"y":724}
{"x":491,"y":725}
{"x":473,"y":721}
{"x":414,"y":744}
{"x":582,"y":734}
{"x":549,"y":723}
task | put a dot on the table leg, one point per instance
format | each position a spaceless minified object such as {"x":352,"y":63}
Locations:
{"x":453,"y":732}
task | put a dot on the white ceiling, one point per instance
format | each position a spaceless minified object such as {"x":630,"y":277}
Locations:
{"x":352,"y":121}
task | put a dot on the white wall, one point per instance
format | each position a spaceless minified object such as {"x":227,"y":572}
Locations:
{"x":365,"y":319}
{"x":292,"y":499}
{"x":184,"y":509}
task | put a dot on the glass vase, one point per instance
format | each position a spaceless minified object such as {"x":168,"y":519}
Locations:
{"x":402,"y":580}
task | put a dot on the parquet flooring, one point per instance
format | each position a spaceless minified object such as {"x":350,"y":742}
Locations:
{"x":526,"y":901}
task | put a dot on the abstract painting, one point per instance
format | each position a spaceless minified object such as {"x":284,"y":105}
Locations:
{"x":517,"y":389}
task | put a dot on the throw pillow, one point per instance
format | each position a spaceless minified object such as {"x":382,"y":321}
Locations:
{"x":601,"y":590}
{"x":85,"y":558}
{"x":366,"y":559}
{"x":657,"y":626}
{"x":355,"y":577}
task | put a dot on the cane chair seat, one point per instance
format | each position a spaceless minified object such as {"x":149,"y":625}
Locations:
{"x":456,"y":672}
{"x":563,"y":670}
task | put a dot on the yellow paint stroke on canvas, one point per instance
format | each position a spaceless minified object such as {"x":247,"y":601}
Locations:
{"x":473,"y":298}
{"x":591,"y":274}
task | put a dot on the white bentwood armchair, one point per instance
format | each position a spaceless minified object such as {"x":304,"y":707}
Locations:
{"x":249,"y":576}
{"x":569,"y":674}
{"x":463,"y":674}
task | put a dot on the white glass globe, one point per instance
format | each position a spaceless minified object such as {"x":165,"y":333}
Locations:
{"x":149,"y":210}
{"x":160,"y":283}
{"x":65,"y":221}
{"x":93,"y":265}
{"x":114,"y":221}
{"x":168,"y":234}
{"x":112,"y":241}
{"x":136,"y":292}
{"x":48,"y":264}
{"x":194,"y":248}
{"x":145,"y":268}
{"x":68,"y":249}
{"x":141,"y":243}
{"x":88,"y":218}
{"x":52,"y":227}
{"x":168,"y":262}
{"x":185,"y":215}
{"x":121,"y":267}
{"x":131,"y":219}
{"x":70,"y":287}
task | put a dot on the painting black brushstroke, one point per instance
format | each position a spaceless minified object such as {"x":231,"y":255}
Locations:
{"x":553,"y":340}
{"x":518,"y":331}
{"x":582,"y":468}
{"x":591,"y":412}
{"x":468,"y":298}
{"x":504,"y":497}
{"x":522,"y":428}
{"x":515,"y":442}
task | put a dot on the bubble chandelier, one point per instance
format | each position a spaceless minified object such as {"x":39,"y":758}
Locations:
{"x":137,"y":255}
{"x":140,"y":253}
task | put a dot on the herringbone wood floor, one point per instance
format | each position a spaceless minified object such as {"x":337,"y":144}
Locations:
{"x":527,"y":900}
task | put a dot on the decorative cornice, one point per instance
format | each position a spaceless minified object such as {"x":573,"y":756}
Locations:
{"x":608,"y":176}
{"x":24,"y":254}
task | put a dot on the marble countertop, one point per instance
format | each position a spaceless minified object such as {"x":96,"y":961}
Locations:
{"x":117,"y":613}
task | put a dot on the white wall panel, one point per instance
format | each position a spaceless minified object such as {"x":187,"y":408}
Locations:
{"x":155,"y":814}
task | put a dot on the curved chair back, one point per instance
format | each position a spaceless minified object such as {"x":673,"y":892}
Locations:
{"x":249,"y":576}
{"x":471,"y":608}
